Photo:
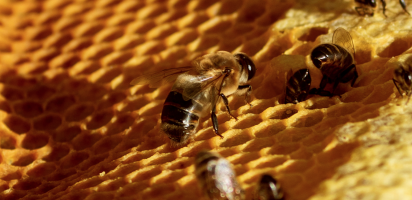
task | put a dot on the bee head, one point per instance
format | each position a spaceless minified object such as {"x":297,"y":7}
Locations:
{"x":247,"y":64}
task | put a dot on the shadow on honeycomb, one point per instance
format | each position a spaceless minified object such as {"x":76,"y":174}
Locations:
{"x":73,"y":128}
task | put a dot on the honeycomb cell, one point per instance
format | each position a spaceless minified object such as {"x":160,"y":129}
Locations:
{"x":106,"y":144}
{"x":67,"y":134}
{"x":151,"y":11}
{"x":395,"y":48}
{"x":57,"y":152}
{"x":60,"y":103}
{"x":79,"y":112}
{"x":61,"y":174}
{"x":88,"y":29}
{"x":27,"y":184}
{"x":17,"y":124}
{"x":4,"y":106}
{"x":7,"y":142}
{"x":40,"y":92}
{"x":85,"y":140}
{"x":39,"y":33}
{"x":41,"y":170}
{"x":121,"y":123}
{"x":309,"y":119}
{"x":23,"y":160}
{"x":35,"y":141}
{"x":312,"y":33}
{"x":65,"y":61}
{"x":47,"y":122}
{"x":108,"y":34}
{"x":12,"y":94}
{"x":74,"y":159}
{"x":28,"y":109}
{"x":99,"y":119}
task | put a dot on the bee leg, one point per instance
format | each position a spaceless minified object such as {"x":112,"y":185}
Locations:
{"x":227,"y":105}
{"x":215,"y":123}
{"x":384,"y":7}
{"x":397,"y":86}
{"x":248,"y":92}
{"x":354,"y":78}
{"x":402,"y":2}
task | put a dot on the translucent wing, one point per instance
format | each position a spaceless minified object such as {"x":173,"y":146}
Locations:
{"x":208,"y":84}
{"x":155,"y":79}
{"x":342,"y":38}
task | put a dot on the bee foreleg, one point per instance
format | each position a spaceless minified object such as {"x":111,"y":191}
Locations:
{"x":248,"y":92}
{"x":384,"y":7}
{"x":397,"y":86}
{"x":354,"y":78}
{"x":402,"y":2}
{"x":227,"y":105}
{"x":215,"y":123}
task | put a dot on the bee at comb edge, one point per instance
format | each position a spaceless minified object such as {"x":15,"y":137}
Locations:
{"x":197,"y":89}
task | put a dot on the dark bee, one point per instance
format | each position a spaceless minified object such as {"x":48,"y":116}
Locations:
{"x":216,"y":177}
{"x":269,"y":189}
{"x":297,"y":88}
{"x":198,"y":88}
{"x":367,"y":6}
{"x":403,"y":79}
{"x":335,"y":61}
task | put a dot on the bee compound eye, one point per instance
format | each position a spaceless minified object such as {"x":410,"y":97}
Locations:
{"x":247,"y":64}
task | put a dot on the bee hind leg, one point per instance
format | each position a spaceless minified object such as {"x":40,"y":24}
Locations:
{"x":402,"y":2}
{"x":227,"y":105}
{"x":215,"y":123}
{"x":248,"y":89}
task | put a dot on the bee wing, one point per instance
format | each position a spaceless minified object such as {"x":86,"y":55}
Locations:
{"x":208,"y":84}
{"x":155,"y":79}
{"x":342,"y":37}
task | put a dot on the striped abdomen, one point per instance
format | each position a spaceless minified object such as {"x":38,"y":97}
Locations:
{"x":334,"y":61}
{"x":217,"y":177}
{"x":180,"y":117}
{"x":297,"y":87}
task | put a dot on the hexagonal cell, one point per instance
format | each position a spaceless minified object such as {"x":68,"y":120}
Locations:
{"x":47,"y":122}
{"x":85,"y":140}
{"x":61,"y":174}
{"x":106,"y":144}
{"x":41,"y":170}
{"x":27,"y":184}
{"x":7,"y":142}
{"x":99,"y":119}
{"x":312,"y":33}
{"x":79,"y":112}
{"x":40,"y":92}
{"x":74,"y":159}
{"x":24,"y":160}
{"x":66,"y":134}
{"x":308,"y":120}
{"x":121,"y":123}
{"x":35,"y":141}
{"x":28,"y":109}
{"x":111,"y":99}
{"x":17,"y":124}
{"x":57,"y":152}
{"x":60,"y":103}
{"x":11,"y":94}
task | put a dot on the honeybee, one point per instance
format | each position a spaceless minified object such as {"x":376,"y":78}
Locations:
{"x":216,"y":177}
{"x":197,"y":90}
{"x":297,"y":88}
{"x":403,"y":79}
{"x":367,"y":7}
{"x":269,"y":189}
{"x":335,"y":61}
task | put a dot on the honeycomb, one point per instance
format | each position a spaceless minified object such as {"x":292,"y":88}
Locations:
{"x":72,"y":127}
